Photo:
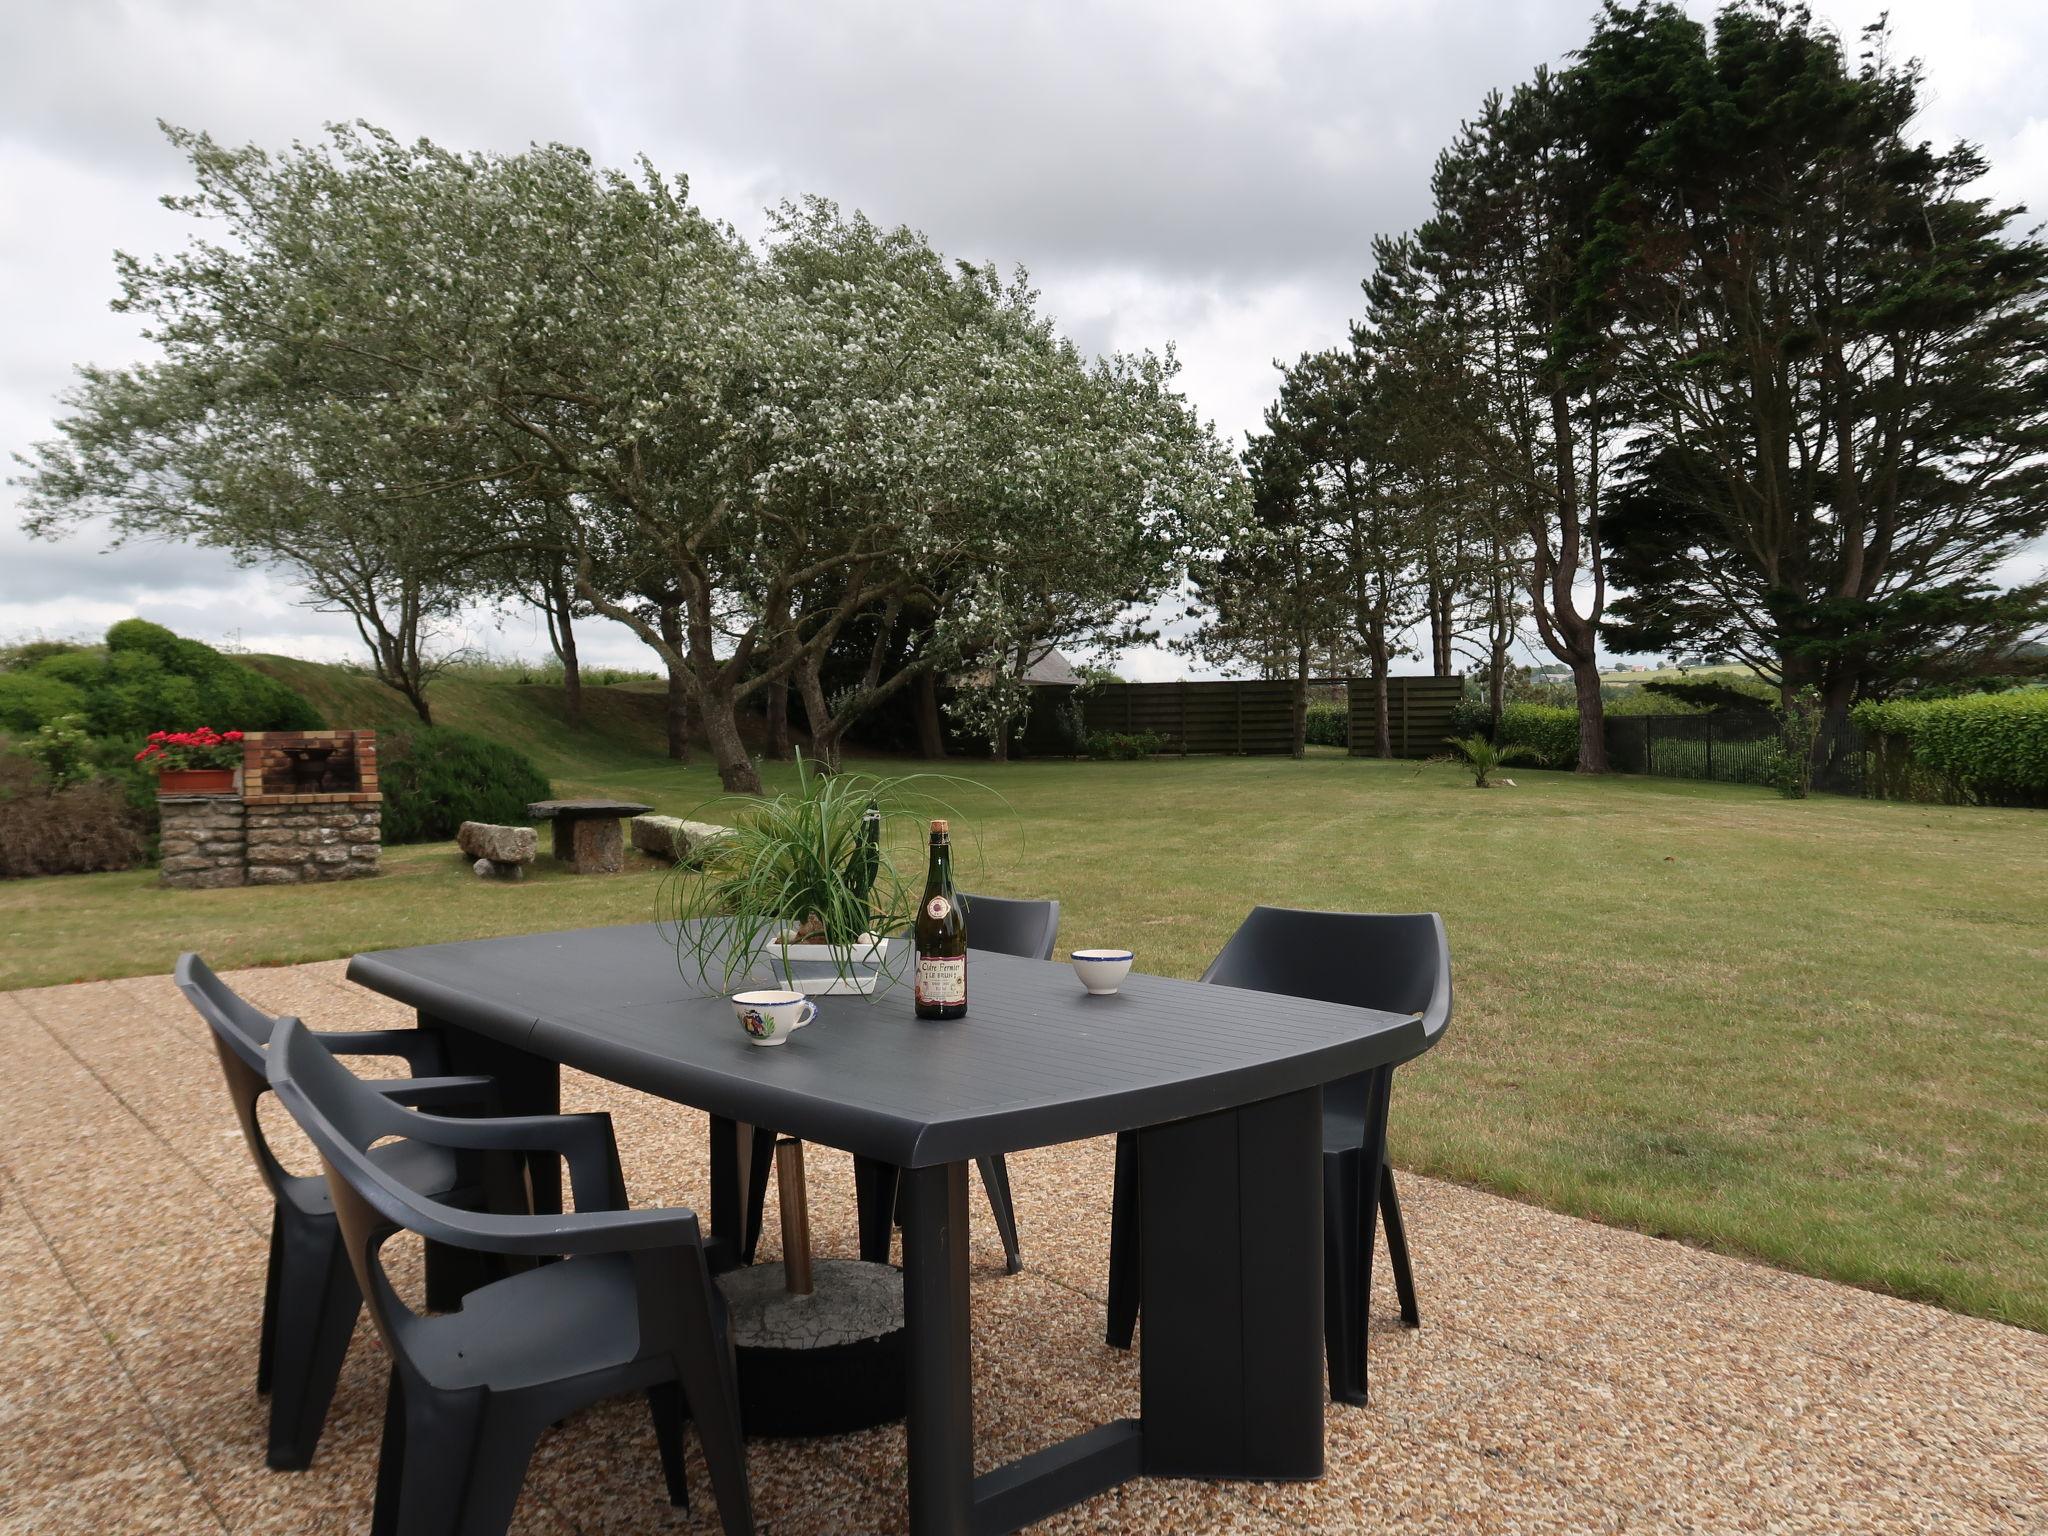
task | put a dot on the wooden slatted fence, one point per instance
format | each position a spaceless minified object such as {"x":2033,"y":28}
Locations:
{"x":1418,"y":714}
{"x":1255,"y":718}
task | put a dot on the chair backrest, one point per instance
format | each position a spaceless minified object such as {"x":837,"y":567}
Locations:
{"x":344,"y":1117}
{"x":1396,"y":962}
{"x":1008,"y":926}
{"x":241,"y":1031}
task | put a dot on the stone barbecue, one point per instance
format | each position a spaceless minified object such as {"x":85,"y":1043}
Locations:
{"x":306,"y":808}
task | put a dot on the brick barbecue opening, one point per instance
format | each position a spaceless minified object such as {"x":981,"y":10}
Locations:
{"x":307,"y":808}
{"x":309,"y":767}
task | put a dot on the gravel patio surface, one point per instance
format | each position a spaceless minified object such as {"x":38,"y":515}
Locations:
{"x":1567,"y":1378}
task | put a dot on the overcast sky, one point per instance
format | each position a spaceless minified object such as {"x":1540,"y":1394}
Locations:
{"x":1210,"y":175}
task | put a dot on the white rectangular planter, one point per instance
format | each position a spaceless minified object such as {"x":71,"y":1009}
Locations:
{"x":828,"y":970}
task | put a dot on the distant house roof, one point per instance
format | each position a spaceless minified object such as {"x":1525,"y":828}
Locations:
{"x":1050,"y":670}
{"x":1054,"y":669}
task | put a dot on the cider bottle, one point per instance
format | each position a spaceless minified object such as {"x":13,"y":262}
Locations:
{"x":940,"y":986}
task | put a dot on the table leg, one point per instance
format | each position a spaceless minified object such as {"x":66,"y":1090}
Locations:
{"x":527,"y":1085}
{"x":939,"y":1423}
{"x":1231,"y":1212}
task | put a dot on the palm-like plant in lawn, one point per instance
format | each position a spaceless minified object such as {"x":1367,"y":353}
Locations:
{"x":1485,"y":759}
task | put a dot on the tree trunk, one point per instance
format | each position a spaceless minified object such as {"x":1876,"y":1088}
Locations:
{"x":777,"y":710}
{"x":1383,"y":725}
{"x":736,"y":771}
{"x":1442,"y":625}
{"x":562,"y":635}
{"x":678,"y":713}
{"x":1592,"y":717}
{"x":1496,"y":690}
{"x":1830,"y":749}
{"x":810,"y":687}
{"x":1301,"y":699}
{"x":931,"y":731}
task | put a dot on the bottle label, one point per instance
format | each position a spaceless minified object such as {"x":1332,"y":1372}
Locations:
{"x":942,"y":979}
{"x":938,"y":907}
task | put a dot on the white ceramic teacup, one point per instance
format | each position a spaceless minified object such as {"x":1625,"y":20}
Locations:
{"x":771,"y":1017}
{"x":1101,"y":971}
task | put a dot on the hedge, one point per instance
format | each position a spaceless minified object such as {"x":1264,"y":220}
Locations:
{"x":1328,"y":725}
{"x":434,"y":779}
{"x":1988,"y":747}
{"x":1545,"y":729}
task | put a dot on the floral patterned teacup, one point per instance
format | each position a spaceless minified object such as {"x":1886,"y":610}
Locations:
{"x":770,"y":1018}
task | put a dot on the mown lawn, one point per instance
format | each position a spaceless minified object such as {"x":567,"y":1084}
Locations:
{"x":1811,"y":1032}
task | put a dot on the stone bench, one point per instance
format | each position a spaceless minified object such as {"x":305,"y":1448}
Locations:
{"x":674,"y":839}
{"x":500,"y":852}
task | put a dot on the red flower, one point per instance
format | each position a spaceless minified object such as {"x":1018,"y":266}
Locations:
{"x":232,"y":736}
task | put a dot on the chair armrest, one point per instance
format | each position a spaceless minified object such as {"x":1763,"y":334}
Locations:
{"x":419,"y":1049}
{"x":571,"y":1233}
{"x":426,"y":1092}
{"x":584,"y":1142}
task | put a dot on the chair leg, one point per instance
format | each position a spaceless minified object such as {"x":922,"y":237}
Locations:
{"x":665,"y":1403}
{"x":453,"y":1463}
{"x":1357,"y":1210}
{"x":1124,"y":1257}
{"x":875,"y":1186}
{"x":1344,"y":1289}
{"x":760,"y":1168}
{"x":995,"y":1178}
{"x":317,"y":1306}
{"x":1397,"y":1247}
{"x":704,"y":1364}
{"x":266,"y":1338}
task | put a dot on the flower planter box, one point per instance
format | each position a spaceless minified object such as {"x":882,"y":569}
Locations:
{"x":196,"y":781}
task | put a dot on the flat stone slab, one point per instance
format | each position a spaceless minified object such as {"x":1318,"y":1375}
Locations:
{"x":550,"y":810}
{"x":501,"y":845}
{"x":673,"y":838}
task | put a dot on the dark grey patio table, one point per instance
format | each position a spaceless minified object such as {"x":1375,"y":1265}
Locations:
{"x":1225,"y":1086}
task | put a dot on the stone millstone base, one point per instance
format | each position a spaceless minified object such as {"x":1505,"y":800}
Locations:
{"x":823,"y":1364}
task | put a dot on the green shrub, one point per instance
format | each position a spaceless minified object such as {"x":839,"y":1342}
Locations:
{"x":1551,"y":732}
{"x":1988,"y":747}
{"x":29,"y":700}
{"x":1328,"y":725}
{"x":24,"y":654}
{"x":147,"y":679}
{"x":1126,"y":746}
{"x":434,"y":779}
{"x":62,"y":750}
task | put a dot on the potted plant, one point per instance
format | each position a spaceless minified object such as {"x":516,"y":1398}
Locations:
{"x":803,"y":887}
{"x":201,"y":762}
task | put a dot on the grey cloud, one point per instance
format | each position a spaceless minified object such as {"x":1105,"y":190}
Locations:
{"x":1206,"y":173}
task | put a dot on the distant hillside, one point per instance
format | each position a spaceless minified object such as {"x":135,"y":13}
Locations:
{"x":623,"y":727}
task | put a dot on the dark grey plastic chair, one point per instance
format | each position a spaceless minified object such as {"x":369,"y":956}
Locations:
{"x":1396,"y":963}
{"x":310,"y":1301}
{"x":630,"y":1307}
{"x":1002,"y":925}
